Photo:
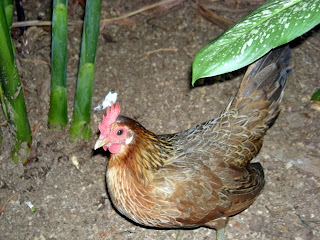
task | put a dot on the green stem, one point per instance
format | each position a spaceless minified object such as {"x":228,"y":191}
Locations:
{"x":58,"y":115}
{"x":80,"y":126}
{"x":220,"y":234}
{"x":3,"y":104}
{"x":13,"y":94}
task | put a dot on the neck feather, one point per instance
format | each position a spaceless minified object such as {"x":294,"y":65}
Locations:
{"x":145,"y":154}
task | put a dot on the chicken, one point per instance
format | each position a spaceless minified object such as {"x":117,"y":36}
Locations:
{"x":203,"y":175}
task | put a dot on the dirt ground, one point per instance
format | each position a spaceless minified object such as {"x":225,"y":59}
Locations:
{"x":147,"y":60}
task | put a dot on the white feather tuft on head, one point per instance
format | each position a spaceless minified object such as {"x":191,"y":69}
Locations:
{"x":108,"y":100}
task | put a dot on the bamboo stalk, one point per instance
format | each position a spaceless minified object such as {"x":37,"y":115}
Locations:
{"x":80,"y":125}
{"x":8,"y":8}
{"x":58,"y":115}
{"x":12,"y":89}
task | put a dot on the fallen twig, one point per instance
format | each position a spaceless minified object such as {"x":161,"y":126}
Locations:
{"x":304,"y":222}
{"x":35,"y":61}
{"x":3,"y":207}
{"x":220,"y":21}
{"x":145,"y":54}
{"x":102,"y":21}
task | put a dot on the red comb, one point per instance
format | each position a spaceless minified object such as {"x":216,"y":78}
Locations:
{"x":111,"y":116}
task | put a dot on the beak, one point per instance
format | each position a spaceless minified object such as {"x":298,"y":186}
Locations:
{"x":100,"y":143}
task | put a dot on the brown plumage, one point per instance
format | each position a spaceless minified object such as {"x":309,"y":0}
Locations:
{"x":203,"y":175}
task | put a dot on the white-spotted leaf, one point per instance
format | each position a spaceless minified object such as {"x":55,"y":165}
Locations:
{"x":275,"y":23}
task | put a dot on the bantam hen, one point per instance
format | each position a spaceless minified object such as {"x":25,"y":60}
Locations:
{"x":203,"y":175}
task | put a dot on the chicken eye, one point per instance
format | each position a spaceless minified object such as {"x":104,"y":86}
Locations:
{"x":119,"y":132}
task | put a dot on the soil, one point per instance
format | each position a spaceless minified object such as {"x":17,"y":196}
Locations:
{"x":147,"y":61}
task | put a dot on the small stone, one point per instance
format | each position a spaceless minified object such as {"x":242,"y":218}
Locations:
{"x":288,"y":165}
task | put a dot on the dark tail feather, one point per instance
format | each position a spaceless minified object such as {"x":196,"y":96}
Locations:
{"x":271,"y":68}
{"x":262,"y":86}
{"x":255,"y":108}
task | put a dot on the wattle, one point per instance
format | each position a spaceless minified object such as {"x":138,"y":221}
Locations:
{"x":114,"y":148}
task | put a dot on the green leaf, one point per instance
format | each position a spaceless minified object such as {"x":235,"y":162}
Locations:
{"x":275,"y":23}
